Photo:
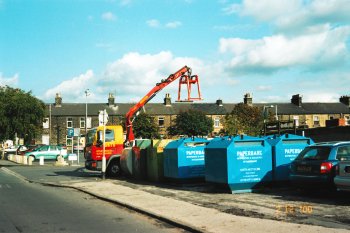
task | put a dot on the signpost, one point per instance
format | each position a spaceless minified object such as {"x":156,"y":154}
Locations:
{"x":77,"y":134}
{"x":103,"y":119}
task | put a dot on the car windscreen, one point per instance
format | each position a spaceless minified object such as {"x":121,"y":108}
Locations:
{"x":314,"y":153}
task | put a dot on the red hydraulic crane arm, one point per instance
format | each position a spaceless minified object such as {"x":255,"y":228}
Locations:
{"x":184,"y":71}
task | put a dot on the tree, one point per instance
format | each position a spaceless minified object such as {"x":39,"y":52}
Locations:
{"x":244,"y":119}
{"x":191,"y":123}
{"x":21,"y":114}
{"x":144,"y":126}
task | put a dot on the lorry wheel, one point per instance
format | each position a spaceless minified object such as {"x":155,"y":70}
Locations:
{"x":113,"y":169}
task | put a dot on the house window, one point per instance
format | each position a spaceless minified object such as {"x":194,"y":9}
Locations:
{"x":316,"y":121}
{"x":46,"y":123}
{"x":347,"y":120}
{"x":296,"y":120}
{"x":69,"y":122}
{"x":88,"y":123}
{"x":45,"y":139}
{"x":161,"y":121}
{"x":82,"y":122}
{"x":216,"y":122}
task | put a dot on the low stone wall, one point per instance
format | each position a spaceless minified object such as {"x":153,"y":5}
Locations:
{"x":327,"y":134}
{"x":20,"y":159}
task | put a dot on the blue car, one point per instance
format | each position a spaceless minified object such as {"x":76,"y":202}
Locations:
{"x":316,"y":165}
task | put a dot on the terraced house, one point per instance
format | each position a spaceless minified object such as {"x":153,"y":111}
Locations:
{"x":61,"y":116}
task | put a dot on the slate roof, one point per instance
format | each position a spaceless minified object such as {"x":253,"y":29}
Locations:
{"x":309,"y":108}
{"x":78,"y":109}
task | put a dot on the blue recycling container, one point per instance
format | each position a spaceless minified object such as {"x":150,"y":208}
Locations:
{"x":184,"y":158}
{"x":243,"y":163}
{"x":285,"y":149}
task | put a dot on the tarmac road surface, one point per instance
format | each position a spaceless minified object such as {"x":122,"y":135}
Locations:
{"x":271,"y":210}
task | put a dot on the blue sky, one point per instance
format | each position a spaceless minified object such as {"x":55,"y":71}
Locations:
{"x":272,"y":49}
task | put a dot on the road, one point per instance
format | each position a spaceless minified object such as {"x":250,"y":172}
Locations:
{"x":29,"y":207}
{"x":283,"y":204}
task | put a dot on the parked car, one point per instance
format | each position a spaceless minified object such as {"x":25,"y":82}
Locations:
{"x":342,"y":180}
{"x":11,"y":149}
{"x":315,"y":166}
{"x":62,"y":145}
{"x":22,"y":149}
{"x":48,"y":152}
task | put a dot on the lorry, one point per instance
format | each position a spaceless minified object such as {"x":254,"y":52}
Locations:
{"x":114,"y":142}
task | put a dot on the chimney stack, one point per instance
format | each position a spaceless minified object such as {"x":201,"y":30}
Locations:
{"x":248,"y":99}
{"x":167,"y":100}
{"x":111,"y":100}
{"x":58,"y":100}
{"x":219,"y":102}
{"x":297,"y":100}
{"x":345,"y":100}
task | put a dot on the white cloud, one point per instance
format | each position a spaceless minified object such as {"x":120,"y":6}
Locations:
{"x":9,"y":81}
{"x":153,"y":23}
{"x":108,"y":16}
{"x":138,"y":73}
{"x":72,"y":90}
{"x":131,"y":77}
{"x":263,"y":88}
{"x":325,"y":97}
{"x":290,"y":15}
{"x":319,"y":50}
{"x":174,"y":24}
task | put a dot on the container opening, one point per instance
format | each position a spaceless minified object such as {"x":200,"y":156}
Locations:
{"x":250,"y":143}
{"x":195,"y":144}
{"x":296,"y":141}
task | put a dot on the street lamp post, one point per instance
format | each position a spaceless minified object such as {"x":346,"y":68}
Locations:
{"x":86,"y":95}
{"x":265,"y":115}
{"x":270,"y":106}
{"x":276,"y":116}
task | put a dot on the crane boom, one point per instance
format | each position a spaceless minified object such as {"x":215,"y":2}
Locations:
{"x":183,"y":72}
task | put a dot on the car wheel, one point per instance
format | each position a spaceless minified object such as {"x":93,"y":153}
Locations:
{"x":57,"y":157}
{"x":113,"y":169}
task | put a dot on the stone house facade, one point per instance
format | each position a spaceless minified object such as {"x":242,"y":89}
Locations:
{"x":62,"y":116}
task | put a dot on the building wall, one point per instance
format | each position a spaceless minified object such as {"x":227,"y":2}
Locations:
{"x":58,"y":124}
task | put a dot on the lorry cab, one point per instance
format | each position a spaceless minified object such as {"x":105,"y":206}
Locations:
{"x":113,"y":145}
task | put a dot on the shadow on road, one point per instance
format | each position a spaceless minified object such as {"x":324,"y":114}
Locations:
{"x":79,"y":172}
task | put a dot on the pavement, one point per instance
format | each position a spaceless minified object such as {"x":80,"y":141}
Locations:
{"x":183,"y":205}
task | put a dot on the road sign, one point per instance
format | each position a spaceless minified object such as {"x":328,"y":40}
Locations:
{"x":76,"y":132}
{"x":72,"y":157}
{"x":103,"y":117}
{"x":70,"y":132}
